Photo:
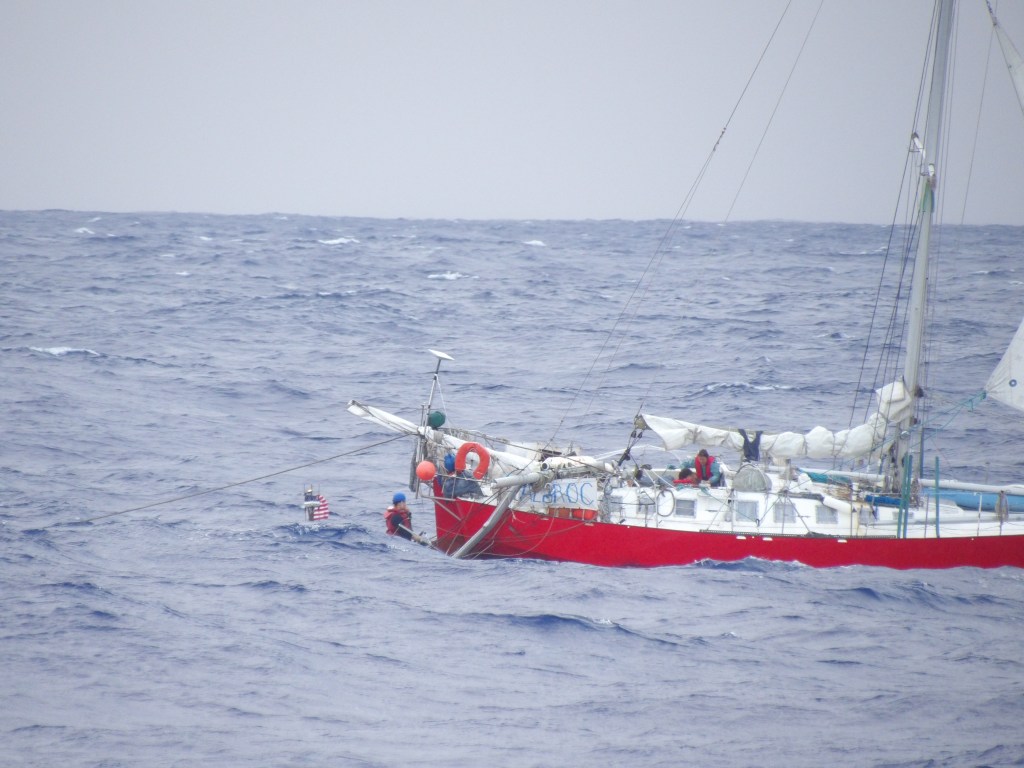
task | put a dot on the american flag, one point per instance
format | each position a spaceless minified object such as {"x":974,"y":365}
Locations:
{"x":322,"y":512}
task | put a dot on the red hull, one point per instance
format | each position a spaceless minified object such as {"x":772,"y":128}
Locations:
{"x":531,"y":535}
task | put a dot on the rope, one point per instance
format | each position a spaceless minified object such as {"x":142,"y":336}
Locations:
{"x":232,"y":485}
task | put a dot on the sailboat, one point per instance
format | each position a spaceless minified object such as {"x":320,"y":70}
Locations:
{"x":499,"y":498}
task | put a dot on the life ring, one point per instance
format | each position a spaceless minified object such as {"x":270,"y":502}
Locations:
{"x":480,"y":451}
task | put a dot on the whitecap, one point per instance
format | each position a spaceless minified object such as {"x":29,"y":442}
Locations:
{"x":446,"y":276}
{"x":84,"y":231}
{"x":338,"y":241}
{"x":747,"y":385}
{"x":183,"y":274}
{"x":61,"y":351}
{"x":539,"y":243}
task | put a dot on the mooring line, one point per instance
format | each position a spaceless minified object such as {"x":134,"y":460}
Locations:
{"x":230,"y":485}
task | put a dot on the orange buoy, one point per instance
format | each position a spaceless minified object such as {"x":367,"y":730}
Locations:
{"x":425,"y":471}
{"x":482,"y":454}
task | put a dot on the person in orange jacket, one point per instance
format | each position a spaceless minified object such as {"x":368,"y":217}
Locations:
{"x":398,"y":520}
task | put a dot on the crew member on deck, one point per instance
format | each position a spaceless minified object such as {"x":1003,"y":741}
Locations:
{"x":398,"y":519}
{"x":707,"y":468}
{"x":642,"y":477}
{"x":457,"y":483}
{"x":686,"y":477}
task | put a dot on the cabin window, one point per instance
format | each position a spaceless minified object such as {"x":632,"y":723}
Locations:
{"x":826,"y":515}
{"x":784,"y":511}
{"x":686,"y":508}
{"x":746,"y":511}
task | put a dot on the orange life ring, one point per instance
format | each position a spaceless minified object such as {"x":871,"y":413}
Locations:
{"x":480,"y":451}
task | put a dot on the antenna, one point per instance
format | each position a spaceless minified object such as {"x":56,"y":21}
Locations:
{"x":441,"y":357}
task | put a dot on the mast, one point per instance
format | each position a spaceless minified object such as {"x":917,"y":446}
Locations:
{"x":929,"y":150}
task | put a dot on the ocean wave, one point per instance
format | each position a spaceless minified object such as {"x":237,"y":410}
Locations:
{"x":64,"y":351}
{"x":269,"y":585}
{"x":916,"y":593}
{"x":570,"y":625}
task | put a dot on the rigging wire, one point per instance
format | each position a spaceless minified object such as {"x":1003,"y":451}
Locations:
{"x":887,"y":365}
{"x":887,"y":369}
{"x":644,"y":283}
{"x":775,"y":109}
{"x":977,"y":125}
{"x":220,"y":488}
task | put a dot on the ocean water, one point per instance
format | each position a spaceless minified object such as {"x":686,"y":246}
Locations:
{"x":172,"y":382}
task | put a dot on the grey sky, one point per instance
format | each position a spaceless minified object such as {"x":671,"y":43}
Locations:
{"x":487,"y":109}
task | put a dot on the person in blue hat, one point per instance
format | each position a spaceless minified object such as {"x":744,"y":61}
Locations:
{"x":457,"y":483}
{"x":398,"y":519}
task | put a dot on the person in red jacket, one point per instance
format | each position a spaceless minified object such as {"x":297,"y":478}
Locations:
{"x":707,"y":468}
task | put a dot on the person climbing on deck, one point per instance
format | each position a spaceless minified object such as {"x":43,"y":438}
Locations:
{"x":398,"y":519}
{"x":686,"y":476}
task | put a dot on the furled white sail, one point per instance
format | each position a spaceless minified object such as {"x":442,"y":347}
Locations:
{"x":1006,"y":384}
{"x":382,"y":417}
{"x":502,"y":462}
{"x":1014,"y":62}
{"x":819,"y":443}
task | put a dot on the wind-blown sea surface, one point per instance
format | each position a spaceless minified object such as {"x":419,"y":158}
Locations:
{"x":172,"y":382}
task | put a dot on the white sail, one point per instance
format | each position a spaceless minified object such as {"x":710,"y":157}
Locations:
{"x":1006,"y":384}
{"x":1014,"y":62}
{"x":819,"y":443}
